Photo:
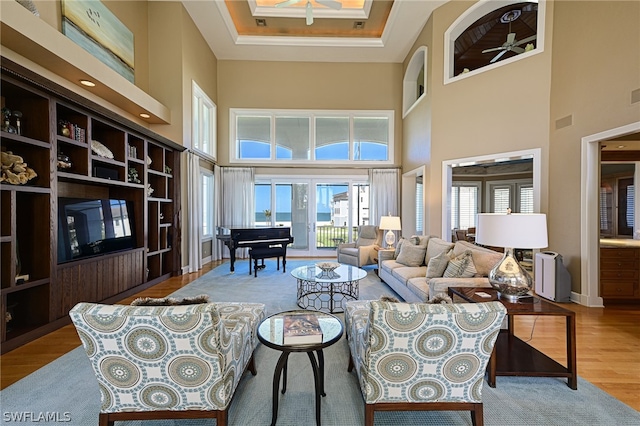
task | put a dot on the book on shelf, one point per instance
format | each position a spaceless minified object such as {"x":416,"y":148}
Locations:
{"x":300,"y":329}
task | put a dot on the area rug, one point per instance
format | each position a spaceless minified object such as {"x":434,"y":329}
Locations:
{"x":65,"y":390}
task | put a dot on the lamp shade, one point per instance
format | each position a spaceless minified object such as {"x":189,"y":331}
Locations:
{"x":517,"y":230}
{"x":391,"y":223}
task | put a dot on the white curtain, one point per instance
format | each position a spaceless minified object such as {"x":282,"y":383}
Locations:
{"x":237,"y":199}
{"x":217,"y":246}
{"x":194,"y":212}
{"x":384,"y":187}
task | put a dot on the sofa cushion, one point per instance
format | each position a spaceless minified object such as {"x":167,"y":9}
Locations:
{"x":405,"y":273}
{"x":461,"y":266}
{"x":420,"y":287}
{"x":484,"y":259}
{"x":435,"y":247}
{"x":411,"y":255}
{"x":437,"y":265}
{"x":399,"y":245}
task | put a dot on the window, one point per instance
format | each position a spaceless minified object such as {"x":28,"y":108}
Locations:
{"x":207,"y":203}
{"x":478,"y":41}
{"x":300,"y":136}
{"x":419,"y":205}
{"x":465,"y":198}
{"x":415,"y":80}
{"x":204,"y":123}
{"x":516,"y":195}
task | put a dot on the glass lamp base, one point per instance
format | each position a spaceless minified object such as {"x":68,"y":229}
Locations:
{"x":390,"y":238}
{"x":509,"y":278}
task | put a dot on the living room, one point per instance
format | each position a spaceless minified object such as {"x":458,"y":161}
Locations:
{"x":561,"y":100}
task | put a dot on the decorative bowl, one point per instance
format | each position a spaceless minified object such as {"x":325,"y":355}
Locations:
{"x":327,"y":266}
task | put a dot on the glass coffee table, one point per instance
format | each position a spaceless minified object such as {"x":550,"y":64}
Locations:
{"x":327,"y":292}
{"x":270,"y":333}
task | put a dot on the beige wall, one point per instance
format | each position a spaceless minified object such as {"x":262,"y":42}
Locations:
{"x":302,"y":85}
{"x":595,"y":68}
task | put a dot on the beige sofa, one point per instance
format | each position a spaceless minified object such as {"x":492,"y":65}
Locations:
{"x":407,"y":275}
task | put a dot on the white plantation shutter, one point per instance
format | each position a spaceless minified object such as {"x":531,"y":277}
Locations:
{"x":501,"y":199}
{"x":464,"y":206}
{"x":526,"y":199}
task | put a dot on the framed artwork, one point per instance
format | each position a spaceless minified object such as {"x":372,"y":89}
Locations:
{"x":91,"y":25}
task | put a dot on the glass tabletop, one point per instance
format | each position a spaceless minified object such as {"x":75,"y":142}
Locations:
{"x":343,"y":273}
{"x":270,"y":331}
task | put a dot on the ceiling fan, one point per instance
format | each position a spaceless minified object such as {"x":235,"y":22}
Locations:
{"x":511,"y":45}
{"x":332,"y":4}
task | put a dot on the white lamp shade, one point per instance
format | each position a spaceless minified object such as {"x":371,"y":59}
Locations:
{"x":391,"y":223}
{"x":527,"y":231}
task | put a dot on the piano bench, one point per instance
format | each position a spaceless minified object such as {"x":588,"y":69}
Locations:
{"x":262,"y":253}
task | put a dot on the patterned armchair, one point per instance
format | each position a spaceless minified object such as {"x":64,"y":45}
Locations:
{"x":416,"y":356}
{"x":168,"y":362}
{"x":364,"y":250}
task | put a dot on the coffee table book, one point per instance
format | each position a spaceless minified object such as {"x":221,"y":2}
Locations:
{"x":300,"y":329}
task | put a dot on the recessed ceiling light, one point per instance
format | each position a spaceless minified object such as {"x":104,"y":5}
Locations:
{"x":358,"y":25}
{"x":87,"y":83}
{"x":144,"y":115}
{"x":261,"y":22}
{"x":620,"y":146}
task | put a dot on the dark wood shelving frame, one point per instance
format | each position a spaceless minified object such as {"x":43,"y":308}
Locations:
{"x":41,"y":303}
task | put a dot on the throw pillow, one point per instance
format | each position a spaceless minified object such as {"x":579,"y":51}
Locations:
{"x":170,"y":301}
{"x":411,"y":255}
{"x":461,"y":267}
{"x":437,"y":265}
{"x":435,"y":246}
{"x":399,"y":246}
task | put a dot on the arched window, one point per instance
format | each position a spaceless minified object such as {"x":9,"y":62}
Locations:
{"x":492,"y":34}
{"x":414,"y":85}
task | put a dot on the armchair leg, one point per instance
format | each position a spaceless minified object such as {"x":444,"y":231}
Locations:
{"x":252,"y":366}
{"x":221,"y":418}
{"x":351,"y":364}
{"x":368,"y":414}
{"x":477,"y":415}
{"x":103,"y":420}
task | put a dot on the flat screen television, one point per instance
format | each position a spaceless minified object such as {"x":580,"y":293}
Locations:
{"x":93,"y":227}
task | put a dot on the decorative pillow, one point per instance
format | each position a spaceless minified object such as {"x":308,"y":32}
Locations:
{"x":437,"y":246}
{"x":411,"y":255}
{"x":401,"y":241}
{"x":437,"y":265}
{"x":170,"y":301}
{"x":461,"y":267}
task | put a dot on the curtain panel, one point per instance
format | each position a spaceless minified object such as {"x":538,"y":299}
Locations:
{"x":194,"y":212}
{"x":237,"y":200}
{"x":384,"y":189}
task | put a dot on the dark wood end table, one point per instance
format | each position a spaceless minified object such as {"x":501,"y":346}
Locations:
{"x":270,"y":333}
{"x":512,"y":356}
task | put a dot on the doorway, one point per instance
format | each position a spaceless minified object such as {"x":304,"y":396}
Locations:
{"x":321,"y":212}
{"x":590,"y":204}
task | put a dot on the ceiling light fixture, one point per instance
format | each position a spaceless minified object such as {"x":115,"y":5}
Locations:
{"x":331,"y":4}
{"x":144,"y":115}
{"x":87,"y":83}
{"x":358,"y":25}
{"x":620,"y":146}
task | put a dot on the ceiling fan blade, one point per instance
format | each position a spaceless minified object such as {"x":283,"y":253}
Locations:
{"x":493,"y":49}
{"x":287,"y":3}
{"x":498,"y":56}
{"x":517,"y":49}
{"x":309,"y":13}
{"x":525,"y":40}
{"x":511,"y":37}
{"x":330,"y":4}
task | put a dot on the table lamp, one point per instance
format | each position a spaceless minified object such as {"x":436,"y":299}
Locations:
{"x":390,"y":223}
{"x":525,"y":231}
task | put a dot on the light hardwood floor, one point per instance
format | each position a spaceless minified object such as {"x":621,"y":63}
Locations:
{"x":608,"y":343}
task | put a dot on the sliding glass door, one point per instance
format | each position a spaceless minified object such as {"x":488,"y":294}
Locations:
{"x":321,"y":213}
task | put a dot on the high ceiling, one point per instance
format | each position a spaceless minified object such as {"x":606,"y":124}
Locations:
{"x":361,"y":31}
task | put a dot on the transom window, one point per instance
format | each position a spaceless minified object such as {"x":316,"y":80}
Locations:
{"x":302,"y":136}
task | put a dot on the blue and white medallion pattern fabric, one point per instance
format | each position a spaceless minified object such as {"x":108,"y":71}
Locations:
{"x":417,"y":352}
{"x":148,"y":358}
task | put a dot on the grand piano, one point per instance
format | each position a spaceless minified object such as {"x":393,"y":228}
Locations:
{"x":254,"y":238}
